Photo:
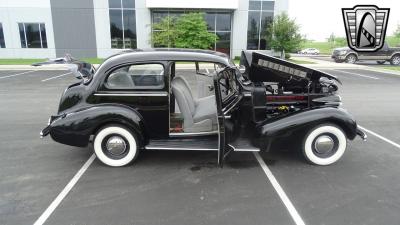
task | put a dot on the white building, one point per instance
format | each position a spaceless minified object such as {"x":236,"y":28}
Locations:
{"x":99,"y":28}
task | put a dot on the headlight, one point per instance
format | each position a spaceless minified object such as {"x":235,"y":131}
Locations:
{"x":342,"y":52}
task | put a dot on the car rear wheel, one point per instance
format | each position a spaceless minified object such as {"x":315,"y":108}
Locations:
{"x":351,"y":59}
{"x":380,"y":62}
{"x":115,"y":146}
{"x":395,"y":60}
{"x":324,"y":145}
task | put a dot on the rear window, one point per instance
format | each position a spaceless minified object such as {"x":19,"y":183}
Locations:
{"x":137,"y":77}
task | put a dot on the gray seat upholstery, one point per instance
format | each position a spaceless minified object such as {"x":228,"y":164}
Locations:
{"x":199,"y":115}
{"x":121,"y":80}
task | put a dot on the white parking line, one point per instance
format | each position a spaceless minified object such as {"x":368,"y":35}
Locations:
{"x":61,"y":75}
{"x":46,"y":214}
{"x":380,"y":137}
{"x":286,"y":201}
{"x":357,"y":74}
{"x":18,"y":74}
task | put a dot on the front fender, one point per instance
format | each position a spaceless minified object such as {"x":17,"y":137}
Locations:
{"x":306,"y":119}
{"x":76,"y":127}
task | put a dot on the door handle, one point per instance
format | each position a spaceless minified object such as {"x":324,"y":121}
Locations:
{"x":210,"y":87}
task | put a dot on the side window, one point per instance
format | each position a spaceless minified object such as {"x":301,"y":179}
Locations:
{"x":137,"y":77}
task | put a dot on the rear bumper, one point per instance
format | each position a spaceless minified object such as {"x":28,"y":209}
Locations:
{"x":361,"y":133}
{"x":47,"y":129}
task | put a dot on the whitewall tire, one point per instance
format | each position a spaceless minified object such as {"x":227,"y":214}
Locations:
{"x":115,"y":146}
{"x":324,"y":145}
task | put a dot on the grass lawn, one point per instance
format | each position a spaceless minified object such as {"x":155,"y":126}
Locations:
{"x":323,"y":47}
{"x":20,"y":61}
{"x":30,"y":61}
{"x":396,"y":68}
{"x":327,"y":48}
{"x":298,"y":61}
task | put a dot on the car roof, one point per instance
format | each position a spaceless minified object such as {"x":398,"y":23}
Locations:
{"x":165,"y":54}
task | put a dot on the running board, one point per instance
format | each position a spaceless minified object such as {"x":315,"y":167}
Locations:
{"x":185,"y":144}
{"x":243,"y":145}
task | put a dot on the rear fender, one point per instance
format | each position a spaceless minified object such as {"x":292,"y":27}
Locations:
{"x":75,"y":128}
{"x":302,"y":121}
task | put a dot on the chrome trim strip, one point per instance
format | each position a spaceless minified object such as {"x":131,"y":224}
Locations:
{"x":183,"y":149}
{"x":149,"y":94}
{"x":244,"y":149}
{"x":193,"y":134}
{"x":247,"y":94}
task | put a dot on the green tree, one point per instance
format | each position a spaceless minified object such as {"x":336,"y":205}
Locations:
{"x":332,"y":40}
{"x":192,"y":32}
{"x":164,"y":33}
{"x":187,"y":31}
{"x":283,"y":34}
{"x":397,"y":31}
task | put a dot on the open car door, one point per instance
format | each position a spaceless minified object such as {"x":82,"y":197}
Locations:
{"x":226,"y":98}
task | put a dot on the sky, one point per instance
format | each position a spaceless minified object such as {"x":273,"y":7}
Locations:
{"x":319,"y":18}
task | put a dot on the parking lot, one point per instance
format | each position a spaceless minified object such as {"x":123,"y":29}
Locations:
{"x":64,"y":185}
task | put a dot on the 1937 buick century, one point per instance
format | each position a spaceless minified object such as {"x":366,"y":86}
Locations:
{"x":176,"y":99}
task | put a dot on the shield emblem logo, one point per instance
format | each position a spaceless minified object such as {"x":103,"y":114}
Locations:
{"x":365,"y":27}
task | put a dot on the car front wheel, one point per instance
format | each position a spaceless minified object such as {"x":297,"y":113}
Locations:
{"x":324,"y":145}
{"x":395,"y":60}
{"x":115,"y":146}
{"x":351,"y":59}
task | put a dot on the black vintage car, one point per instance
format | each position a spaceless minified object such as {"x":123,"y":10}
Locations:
{"x":176,"y":99}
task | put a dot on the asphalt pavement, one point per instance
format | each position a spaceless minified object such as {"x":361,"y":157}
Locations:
{"x":175,"y":187}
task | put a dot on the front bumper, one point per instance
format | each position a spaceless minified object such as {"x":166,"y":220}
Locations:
{"x":338,"y":57}
{"x":361,"y":133}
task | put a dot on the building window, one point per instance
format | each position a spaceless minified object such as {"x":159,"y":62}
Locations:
{"x":122,"y":23}
{"x":219,"y":23}
{"x":2,"y":42}
{"x":32,"y":35}
{"x":261,"y":14}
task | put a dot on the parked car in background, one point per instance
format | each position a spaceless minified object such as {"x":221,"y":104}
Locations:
{"x":142,"y":100}
{"x":385,"y":54}
{"x":310,"y":51}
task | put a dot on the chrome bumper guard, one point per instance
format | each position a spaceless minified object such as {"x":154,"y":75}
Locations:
{"x":45,"y":131}
{"x":361,"y":133}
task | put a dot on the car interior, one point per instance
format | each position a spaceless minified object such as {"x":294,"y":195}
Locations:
{"x":139,"y":76}
{"x":193,"y":107}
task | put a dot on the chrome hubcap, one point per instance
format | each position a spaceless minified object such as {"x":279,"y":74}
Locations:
{"x":116,"y":145}
{"x":324,"y":144}
{"x":396,"y":60}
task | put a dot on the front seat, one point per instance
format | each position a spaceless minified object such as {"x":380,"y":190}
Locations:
{"x":120,"y":80}
{"x":199,"y":115}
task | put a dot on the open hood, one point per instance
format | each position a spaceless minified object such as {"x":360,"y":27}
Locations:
{"x":264,"y":68}
{"x":80,"y":69}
